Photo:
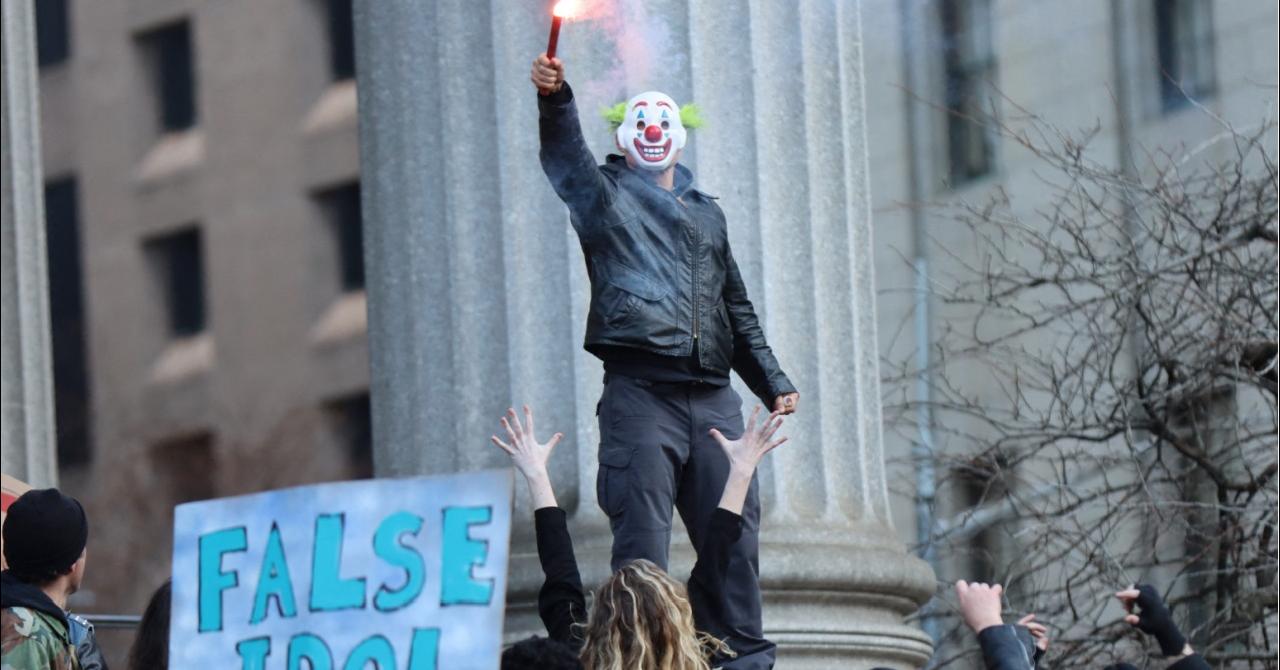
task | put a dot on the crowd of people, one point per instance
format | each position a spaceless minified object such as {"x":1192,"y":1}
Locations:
{"x":640,"y":618}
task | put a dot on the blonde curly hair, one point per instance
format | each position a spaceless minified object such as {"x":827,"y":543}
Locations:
{"x":642,"y":620}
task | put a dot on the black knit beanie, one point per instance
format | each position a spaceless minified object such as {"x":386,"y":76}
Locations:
{"x":44,"y":534}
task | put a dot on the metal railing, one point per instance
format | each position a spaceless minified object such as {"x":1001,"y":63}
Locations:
{"x":112,"y":621}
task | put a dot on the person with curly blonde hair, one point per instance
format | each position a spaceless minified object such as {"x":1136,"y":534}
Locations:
{"x":641,"y":618}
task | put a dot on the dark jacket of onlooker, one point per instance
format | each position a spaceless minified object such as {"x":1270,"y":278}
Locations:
{"x":1008,"y":647}
{"x":86,"y":643}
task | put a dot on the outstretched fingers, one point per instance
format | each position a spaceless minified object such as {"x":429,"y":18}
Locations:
{"x":1037,"y":629}
{"x":528,"y":421}
{"x":511,"y":431}
{"x":502,"y":445}
{"x":751,"y":423}
{"x":720,"y":438}
{"x":771,"y":426}
{"x":514,"y":422}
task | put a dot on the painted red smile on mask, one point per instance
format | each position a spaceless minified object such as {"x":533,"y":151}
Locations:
{"x":653,"y":154}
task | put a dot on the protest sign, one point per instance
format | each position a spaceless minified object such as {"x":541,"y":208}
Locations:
{"x":10,"y":489}
{"x":392,"y":574}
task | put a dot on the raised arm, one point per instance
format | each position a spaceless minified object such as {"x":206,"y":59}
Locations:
{"x":566,"y":159}
{"x":1148,"y":613}
{"x":1004,"y":646}
{"x":561,"y":601}
{"x":744,"y":454}
{"x":753,"y":360}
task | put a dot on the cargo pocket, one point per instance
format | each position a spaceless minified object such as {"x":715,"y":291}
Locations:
{"x":618,"y":445}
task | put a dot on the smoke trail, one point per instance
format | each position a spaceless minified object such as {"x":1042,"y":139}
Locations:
{"x":644,"y":49}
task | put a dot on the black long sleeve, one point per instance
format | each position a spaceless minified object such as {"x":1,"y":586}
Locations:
{"x":753,"y":360}
{"x":561,"y":601}
{"x":567,"y":161}
{"x":707,"y":581}
{"x":713,"y":558}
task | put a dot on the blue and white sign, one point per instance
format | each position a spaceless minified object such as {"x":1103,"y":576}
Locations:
{"x":392,"y":574}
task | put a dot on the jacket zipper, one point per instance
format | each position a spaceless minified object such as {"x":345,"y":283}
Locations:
{"x":695,"y":291}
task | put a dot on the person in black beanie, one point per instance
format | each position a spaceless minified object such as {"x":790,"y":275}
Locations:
{"x":1153,"y":618}
{"x":45,"y":533}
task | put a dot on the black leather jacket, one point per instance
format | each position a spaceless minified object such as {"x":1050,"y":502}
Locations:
{"x":87,"y":651}
{"x":1009,"y":647}
{"x":663,"y":279}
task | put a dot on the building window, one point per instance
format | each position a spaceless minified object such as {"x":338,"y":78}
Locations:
{"x":185,"y":469}
{"x":342,"y":52}
{"x":341,"y":207}
{"x":350,"y":421}
{"x":1184,"y":44}
{"x":969,"y":71}
{"x":53,"y":32}
{"x":169,"y":56}
{"x":179,"y":264}
{"x":66,"y":321}
{"x":981,"y":485}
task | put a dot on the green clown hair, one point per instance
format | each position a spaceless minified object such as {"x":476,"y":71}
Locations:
{"x":615,"y":115}
{"x":690,"y":116}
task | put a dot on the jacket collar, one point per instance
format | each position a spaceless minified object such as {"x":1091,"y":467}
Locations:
{"x":682,"y":184}
{"x":17,"y":593}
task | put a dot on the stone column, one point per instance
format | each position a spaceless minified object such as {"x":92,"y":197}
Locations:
{"x":26,"y":371}
{"x":477,"y":290}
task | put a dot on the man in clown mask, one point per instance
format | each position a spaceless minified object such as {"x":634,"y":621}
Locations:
{"x":670,"y":318}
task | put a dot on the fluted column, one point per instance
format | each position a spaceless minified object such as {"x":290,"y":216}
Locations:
{"x":26,"y":380}
{"x":477,"y":291}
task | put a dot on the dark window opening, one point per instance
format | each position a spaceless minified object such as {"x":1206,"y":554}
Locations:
{"x":178,"y":259}
{"x":981,"y":485}
{"x":173,"y":70}
{"x":969,"y":69}
{"x":67,"y":322}
{"x":341,"y":206}
{"x":1184,"y":45}
{"x":185,"y":468}
{"x":350,"y":420}
{"x":53,"y":32}
{"x":342,"y":52}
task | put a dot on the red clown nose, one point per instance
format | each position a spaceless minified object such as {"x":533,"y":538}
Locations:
{"x":652,"y":134}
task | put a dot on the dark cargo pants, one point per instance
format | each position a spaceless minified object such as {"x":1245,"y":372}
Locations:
{"x":656,"y":454}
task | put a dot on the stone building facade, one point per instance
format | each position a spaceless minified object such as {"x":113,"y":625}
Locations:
{"x":201,"y":164}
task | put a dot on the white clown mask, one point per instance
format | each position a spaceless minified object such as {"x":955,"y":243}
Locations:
{"x":651,"y":132}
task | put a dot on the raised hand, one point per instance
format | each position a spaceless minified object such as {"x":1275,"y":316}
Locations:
{"x":980,"y":604}
{"x":528,"y":455}
{"x":1038,"y":631}
{"x":547,"y":75}
{"x":746,"y":452}
{"x":1153,"y":618}
{"x":744,"y":455}
{"x":786,"y":404}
